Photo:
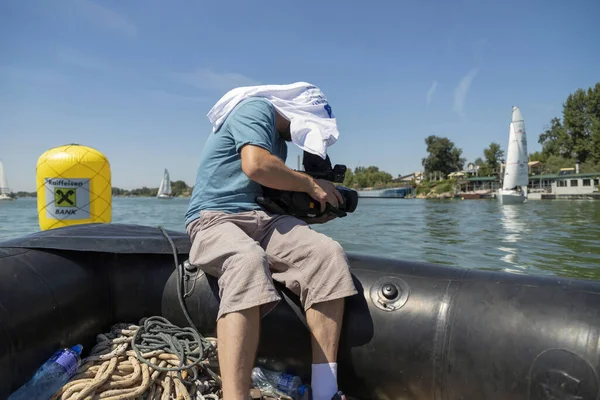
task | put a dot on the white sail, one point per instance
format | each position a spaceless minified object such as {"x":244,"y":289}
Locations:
{"x":165,"y":185}
{"x":4,"y":189}
{"x":516,"y":172}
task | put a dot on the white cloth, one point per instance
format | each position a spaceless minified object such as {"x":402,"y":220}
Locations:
{"x":313,"y":126}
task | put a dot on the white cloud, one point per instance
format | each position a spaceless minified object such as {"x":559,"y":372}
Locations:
{"x":106,"y":18}
{"x":462,"y":90}
{"x":208,"y":80}
{"x":431,"y":91}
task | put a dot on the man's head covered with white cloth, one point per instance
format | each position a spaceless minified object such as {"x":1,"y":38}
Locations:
{"x":313,"y":126}
{"x":247,"y":248}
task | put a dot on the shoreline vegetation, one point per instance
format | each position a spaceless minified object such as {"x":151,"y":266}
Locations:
{"x":574,"y":138}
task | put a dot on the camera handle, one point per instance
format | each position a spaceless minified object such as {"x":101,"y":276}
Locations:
{"x":334,"y":210}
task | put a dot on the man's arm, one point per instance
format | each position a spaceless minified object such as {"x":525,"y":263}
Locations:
{"x":266,"y":169}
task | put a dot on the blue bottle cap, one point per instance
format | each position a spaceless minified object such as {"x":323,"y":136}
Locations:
{"x":77,"y":349}
{"x":302,"y":389}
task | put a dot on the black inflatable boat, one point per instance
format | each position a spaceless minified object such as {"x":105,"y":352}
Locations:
{"x":415,"y":331}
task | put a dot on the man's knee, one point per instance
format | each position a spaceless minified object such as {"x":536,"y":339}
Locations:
{"x":329,"y":272}
{"x":332,"y":252}
{"x":246,"y":264}
{"x":246,"y":282}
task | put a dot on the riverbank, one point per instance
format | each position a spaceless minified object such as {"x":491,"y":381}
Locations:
{"x":147,"y":196}
{"x":435,"y":196}
{"x":435,"y":190}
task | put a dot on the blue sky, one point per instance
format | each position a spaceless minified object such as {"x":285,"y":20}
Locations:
{"x":135,"y":79}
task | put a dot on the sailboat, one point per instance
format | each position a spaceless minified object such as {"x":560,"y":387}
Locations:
{"x":4,"y":190}
{"x":164,"y":190}
{"x":516,"y":172}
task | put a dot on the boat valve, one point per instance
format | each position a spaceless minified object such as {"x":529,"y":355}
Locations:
{"x":389,"y":293}
{"x":191,"y":273}
{"x":189,"y":267}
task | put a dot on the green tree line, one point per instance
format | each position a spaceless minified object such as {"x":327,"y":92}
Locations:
{"x":16,"y":195}
{"x":178,"y":188}
{"x":363,"y":177}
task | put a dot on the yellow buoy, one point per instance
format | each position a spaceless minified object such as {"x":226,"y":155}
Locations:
{"x":73,"y":187}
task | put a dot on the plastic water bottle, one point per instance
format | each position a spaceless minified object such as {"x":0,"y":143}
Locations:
{"x":267,"y":380}
{"x":51,"y":376}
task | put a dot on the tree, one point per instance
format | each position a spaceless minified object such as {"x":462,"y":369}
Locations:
{"x":179,"y":188}
{"x":593,"y":108}
{"x":363,"y":177}
{"x":554,"y":140}
{"x":554,"y":164}
{"x":349,"y":178}
{"x":443,"y":156}
{"x":578,"y":134}
{"x":493,"y":154}
{"x":589,"y":166}
{"x":538,"y":156}
{"x":576,"y":123}
{"x":117,"y":191}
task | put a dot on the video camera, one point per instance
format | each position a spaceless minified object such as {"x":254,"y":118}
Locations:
{"x":300,"y":204}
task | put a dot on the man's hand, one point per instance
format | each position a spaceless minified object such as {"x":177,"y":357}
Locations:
{"x":325,"y":192}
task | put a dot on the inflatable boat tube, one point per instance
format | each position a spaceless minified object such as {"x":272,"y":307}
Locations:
{"x":414,"y":331}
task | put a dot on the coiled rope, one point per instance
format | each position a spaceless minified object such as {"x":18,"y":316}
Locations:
{"x":158,"y":334}
{"x":152,"y":361}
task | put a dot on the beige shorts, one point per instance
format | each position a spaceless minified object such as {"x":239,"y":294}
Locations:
{"x":246,"y":251}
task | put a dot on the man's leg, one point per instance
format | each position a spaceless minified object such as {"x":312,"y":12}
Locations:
{"x":325,"y":322}
{"x":221,"y":247}
{"x":316,"y":268}
{"x":237,"y":333}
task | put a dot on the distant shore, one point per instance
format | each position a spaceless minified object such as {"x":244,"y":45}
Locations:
{"x":33,"y":195}
{"x":149,"y":196}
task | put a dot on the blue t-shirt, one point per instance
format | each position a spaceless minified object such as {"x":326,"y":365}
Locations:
{"x":220,"y":182}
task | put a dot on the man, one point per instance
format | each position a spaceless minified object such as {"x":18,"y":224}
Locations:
{"x":247,"y":248}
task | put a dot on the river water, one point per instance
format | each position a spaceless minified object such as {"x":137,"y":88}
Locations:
{"x":538,"y":237}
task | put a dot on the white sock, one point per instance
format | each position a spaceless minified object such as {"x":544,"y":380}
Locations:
{"x":324,"y":381}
